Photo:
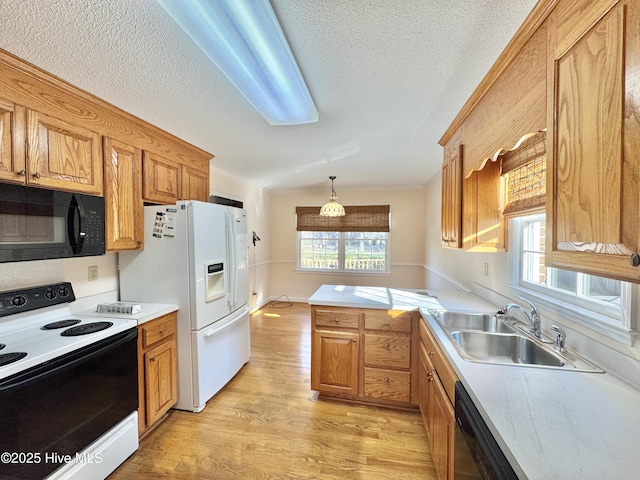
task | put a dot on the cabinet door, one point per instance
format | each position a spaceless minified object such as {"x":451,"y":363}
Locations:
{"x":334,"y":362}
{"x":442,"y":429}
{"x":593,"y":166}
{"x":161,"y":179}
{"x":195,"y":185}
{"x":12,"y":153}
{"x":123,"y":196}
{"x":483,"y":224}
{"x":63,"y":156}
{"x":425,"y":376}
{"x":161,"y":382}
{"x":452,"y":198}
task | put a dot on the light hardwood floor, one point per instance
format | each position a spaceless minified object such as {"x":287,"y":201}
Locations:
{"x":268,"y":424}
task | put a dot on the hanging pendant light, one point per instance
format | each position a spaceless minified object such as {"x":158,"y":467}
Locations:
{"x":332,"y":208}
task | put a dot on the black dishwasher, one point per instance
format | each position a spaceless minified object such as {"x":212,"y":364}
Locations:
{"x":477,"y":454}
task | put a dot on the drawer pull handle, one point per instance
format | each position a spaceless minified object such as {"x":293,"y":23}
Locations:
{"x":386,"y":346}
{"x":337,"y":321}
{"x":386,"y":380}
{"x":430,"y":354}
{"x":163,"y":330}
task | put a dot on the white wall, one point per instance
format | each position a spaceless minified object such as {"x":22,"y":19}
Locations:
{"x":406,"y":240}
{"x":75,"y":270}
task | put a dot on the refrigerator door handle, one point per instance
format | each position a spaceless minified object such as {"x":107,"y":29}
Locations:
{"x":231,"y":249}
{"x":216,"y":330}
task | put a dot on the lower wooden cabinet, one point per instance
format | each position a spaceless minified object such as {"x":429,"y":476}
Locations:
{"x":365,"y":355}
{"x":157,"y":370}
{"x":436,"y":398}
{"x":334,"y":364}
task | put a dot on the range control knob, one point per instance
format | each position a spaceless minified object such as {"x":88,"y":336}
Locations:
{"x":50,"y":294}
{"x":18,"y":301}
{"x":63,"y":292}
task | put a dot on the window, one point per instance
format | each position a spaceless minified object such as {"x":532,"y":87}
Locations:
{"x":600,"y":290}
{"x":356,"y":242}
{"x":343,"y":251}
{"x":601,"y":304}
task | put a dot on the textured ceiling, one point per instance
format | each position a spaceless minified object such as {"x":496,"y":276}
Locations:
{"x":387,"y":77}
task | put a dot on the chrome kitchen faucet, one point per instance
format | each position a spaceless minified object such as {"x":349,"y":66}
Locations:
{"x":533,"y":317}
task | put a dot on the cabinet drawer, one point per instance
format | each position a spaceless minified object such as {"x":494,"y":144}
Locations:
{"x":387,"y":351}
{"x":391,"y":320}
{"x":337,"y":318}
{"x":387,"y":384}
{"x":157,"y":330}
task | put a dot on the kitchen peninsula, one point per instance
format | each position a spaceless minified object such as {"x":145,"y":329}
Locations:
{"x":549,"y":423}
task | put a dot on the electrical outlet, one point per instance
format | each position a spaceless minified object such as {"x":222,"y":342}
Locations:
{"x":93,"y":272}
{"x":486,"y":269}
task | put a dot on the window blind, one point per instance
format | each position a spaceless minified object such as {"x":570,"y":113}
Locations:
{"x":525,"y":169}
{"x":357,"y":218}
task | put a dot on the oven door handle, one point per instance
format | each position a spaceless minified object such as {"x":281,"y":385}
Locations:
{"x":31,"y":375}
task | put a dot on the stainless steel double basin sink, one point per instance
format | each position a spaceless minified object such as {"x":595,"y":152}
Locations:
{"x":490,"y":338}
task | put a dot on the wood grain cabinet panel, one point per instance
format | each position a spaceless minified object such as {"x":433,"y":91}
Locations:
{"x":124,"y":210}
{"x":63,"y":156}
{"x":12,"y":143}
{"x":336,"y":317}
{"x":451,"y":208}
{"x":334,"y":362}
{"x":365,"y":355}
{"x":593,"y":165}
{"x":388,"y":351}
{"x":387,"y":384}
{"x":388,"y":320}
{"x":162,"y":179}
{"x":195,"y":185}
{"x":157,"y":370}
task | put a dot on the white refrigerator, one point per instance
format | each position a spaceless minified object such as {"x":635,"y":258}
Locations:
{"x":196,"y":255}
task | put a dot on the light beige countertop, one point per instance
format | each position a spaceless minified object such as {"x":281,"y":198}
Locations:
{"x":150,"y":311}
{"x":550,"y":424}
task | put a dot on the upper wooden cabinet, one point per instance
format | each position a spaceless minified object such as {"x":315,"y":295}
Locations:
{"x":123,"y":196}
{"x":41,"y":150}
{"x":63,"y":156}
{"x":162,"y":179}
{"x":482,"y":221}
{"x":195,"y":185}
{"x":52,"y":133}
{"x":12,"y":151}
{"x":452,"y":196}
{"x":167,"y":182}
{"x":593,"y":164}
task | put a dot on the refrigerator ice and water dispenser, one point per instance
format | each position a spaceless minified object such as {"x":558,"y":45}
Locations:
{"x":215,"y":281}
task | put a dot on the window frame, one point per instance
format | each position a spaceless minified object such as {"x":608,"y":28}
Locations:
{"x":342,"y":256}
{"x":578,"y":310}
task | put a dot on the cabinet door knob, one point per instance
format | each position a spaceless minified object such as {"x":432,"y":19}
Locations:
{"x":635,"y":260}
{"x":354,"y":340}
{"x":36,"y":175}
{"x":386,"y":380}
{"x":430,"y":354}
{"x":22,"y":173}
{"x":337,"y":321}
{"x":386,"y":346}
{"x":152,"y":359}
{"x":163,"y":330}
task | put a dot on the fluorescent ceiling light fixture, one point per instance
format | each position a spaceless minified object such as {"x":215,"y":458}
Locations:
{"x":244,"y":39}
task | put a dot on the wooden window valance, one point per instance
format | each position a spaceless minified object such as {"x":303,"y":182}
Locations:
{"x":526,"y":171}
{"x":357,"y":218}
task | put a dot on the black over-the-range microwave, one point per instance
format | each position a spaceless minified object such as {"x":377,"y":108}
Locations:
{"x":38,"y":224}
